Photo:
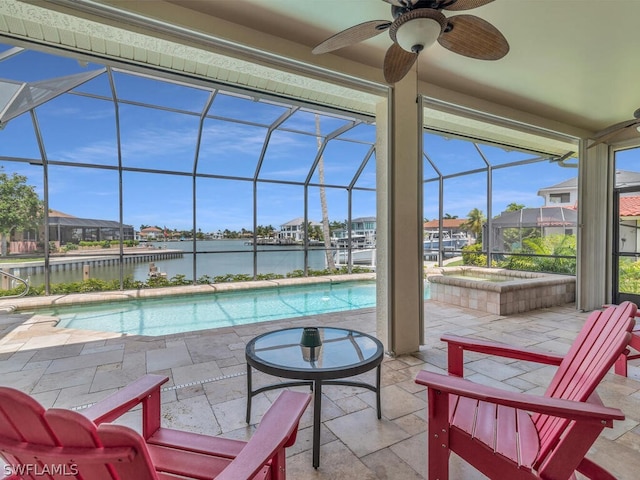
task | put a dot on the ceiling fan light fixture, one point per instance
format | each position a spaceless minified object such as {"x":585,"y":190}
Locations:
{"x":418,"y":29}
{"x":419,"y":34}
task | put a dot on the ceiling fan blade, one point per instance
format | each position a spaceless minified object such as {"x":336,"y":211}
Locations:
{"x":403,"y":3}
{"x":473,"y":37}
{"x":613,"y":131}
{"x":466,"y":4}
{"x":397,"y":63}
{"x":351,"y":35}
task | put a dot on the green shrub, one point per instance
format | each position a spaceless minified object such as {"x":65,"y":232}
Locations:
{"x":232,"y":277}
{"x":204,"y":280}
{"x":269,"y":276}
{"x":546,"y":252}
{"x":629,"y":276}
{"x":472,"y":255}
{"x":128,"y":283}
{"x":13,"y":291}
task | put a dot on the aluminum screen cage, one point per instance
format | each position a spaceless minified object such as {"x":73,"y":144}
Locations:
{"x":509,"y":228}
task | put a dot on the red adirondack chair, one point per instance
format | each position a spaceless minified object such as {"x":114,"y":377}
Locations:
{"x":621,"y":364}
{"x":492,"y":429}
{"x":58,"y":443}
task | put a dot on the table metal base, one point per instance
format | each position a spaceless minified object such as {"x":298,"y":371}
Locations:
{"x":316,"y":387}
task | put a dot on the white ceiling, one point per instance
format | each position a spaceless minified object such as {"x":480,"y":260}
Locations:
{"x":573,"y":61}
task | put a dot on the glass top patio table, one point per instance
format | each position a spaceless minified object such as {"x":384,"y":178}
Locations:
{"x":343,"y":353}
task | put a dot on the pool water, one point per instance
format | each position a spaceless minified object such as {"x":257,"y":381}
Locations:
{"x":198,"y":312}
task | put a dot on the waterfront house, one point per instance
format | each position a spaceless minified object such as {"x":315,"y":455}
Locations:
{"x":67,"y":229}
{"x":64,"y":229}
{"x":565,"y":193}
{"x":363,"y":233}
{"x":151,"y":234}
{"x":545,"y":220}
{"x":629,"y":226}
{"x":293,"y":230}
{"x":450,"y":226}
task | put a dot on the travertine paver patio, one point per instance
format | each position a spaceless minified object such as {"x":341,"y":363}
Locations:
{"x":207,"y":387}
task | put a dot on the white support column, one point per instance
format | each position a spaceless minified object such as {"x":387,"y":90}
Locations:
{"x":595,"y":193}
{"x":400,"y":307}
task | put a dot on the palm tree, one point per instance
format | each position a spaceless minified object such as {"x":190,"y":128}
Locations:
{"x":474,"y":223}
{"x":514,"y":207}
{"x":336,"y":225}
{"x":326,"y":231}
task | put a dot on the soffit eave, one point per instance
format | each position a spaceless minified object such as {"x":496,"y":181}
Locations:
{"x":455,"y":120}
{"x":31,"y":23}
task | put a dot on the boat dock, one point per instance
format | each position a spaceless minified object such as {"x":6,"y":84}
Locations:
{"x":78,"y":261}
{"x":275,"y":242}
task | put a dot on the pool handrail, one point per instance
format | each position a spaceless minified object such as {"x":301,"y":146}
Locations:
{"x":25,"y":282}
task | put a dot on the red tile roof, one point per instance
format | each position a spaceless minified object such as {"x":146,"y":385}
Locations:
{"x":629,"y":206}
{"x":446,"y":223}
{"x":57,"y":213}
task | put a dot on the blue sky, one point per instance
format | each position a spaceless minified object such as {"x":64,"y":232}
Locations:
{"x":80,"y":129}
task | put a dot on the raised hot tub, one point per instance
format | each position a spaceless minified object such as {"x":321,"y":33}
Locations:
{"x":500,"y":291}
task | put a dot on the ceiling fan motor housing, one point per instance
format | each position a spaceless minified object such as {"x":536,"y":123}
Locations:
{"x":417,"y":29}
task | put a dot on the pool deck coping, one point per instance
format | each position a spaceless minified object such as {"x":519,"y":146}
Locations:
{"x":27,"y":303}
{"x":520,"y":280}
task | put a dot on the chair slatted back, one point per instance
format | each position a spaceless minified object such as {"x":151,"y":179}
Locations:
{"x":59,"y":444}
{"x":602,"y":339}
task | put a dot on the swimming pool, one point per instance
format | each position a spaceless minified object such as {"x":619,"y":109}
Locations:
{"x":167,"y":315}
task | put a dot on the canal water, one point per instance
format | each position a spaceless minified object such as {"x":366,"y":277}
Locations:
{"x":214,"y":258}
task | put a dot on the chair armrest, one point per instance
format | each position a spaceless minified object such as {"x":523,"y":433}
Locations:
{"x":457,"y":345}
{"x":120,"y":402}
{"x":502,"y":350}
{"x":569,"y":409}
{"x":276,"y":431}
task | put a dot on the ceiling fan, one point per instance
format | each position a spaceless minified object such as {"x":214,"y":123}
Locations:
{"x":611,"y":132}
{"x":417,"y":25}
